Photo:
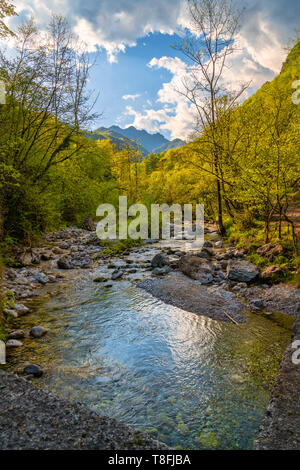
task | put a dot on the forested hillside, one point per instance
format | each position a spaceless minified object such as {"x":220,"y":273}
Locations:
{"x":146,"y":142}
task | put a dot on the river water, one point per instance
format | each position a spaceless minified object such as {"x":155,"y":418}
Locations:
{"x":191,"y":382}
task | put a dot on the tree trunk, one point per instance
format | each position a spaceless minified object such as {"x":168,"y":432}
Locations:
{"x":220,"y":210}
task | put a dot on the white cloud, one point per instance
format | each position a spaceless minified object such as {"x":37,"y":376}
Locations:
{"x":115,"y":25}
{"x":176,"y":114}
{"x":111,"y":25}
{"x":131,"y":97}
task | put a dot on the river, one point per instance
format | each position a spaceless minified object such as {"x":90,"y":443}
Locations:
{"x":192,"y":382}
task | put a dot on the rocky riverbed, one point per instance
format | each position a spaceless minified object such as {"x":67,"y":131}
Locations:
{"x":37,"y":420}
{"x":215,"y":282}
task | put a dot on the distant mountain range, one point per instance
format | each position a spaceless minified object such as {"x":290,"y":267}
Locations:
{"x":155,"y":143}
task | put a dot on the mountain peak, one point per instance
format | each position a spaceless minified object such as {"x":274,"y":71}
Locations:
{"x":147,"y":140}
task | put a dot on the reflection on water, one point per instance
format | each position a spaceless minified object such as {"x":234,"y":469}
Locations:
{"x":188,"y":380}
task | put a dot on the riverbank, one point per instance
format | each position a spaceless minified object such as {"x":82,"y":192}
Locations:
{"x":215,"y":282}
{"x":34,"y":419}
{"x":280,"y":429}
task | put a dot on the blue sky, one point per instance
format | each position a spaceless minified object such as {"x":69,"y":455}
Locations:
{"x":130,"y":81}
{"x":137,"y":71}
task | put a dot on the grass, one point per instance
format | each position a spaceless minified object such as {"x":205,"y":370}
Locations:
{"x":115,"y":248}
{"x":254,"y":237}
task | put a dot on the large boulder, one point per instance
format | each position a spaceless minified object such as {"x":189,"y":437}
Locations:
{"x":242,"y":271}
{"x":196,"y":268}
{"x":159,"y":261}
{"x":271,"y":251}
{"x":65,"y":263}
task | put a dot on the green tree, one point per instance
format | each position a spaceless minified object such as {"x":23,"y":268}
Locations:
{"x":7,"y":9}
{"x":214,"y":27}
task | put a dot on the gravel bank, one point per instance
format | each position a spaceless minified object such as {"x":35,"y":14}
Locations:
{"x":33,"y":419}
{"x":280,"y":429}
{"x":189,"y":295}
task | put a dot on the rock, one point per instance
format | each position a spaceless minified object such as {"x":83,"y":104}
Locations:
{"x":180,"y":253}
{"x":117,"y":275}
{"x":14,"y":343}
{"x":10,"y":274}
{"x":18,"y":334}
{"x":270,"y":251}
{"x":209,"y":252}
{"x":224,"y":264}
{"x":203,"y":254}
{"x":64,"y":246}
{"x":26,"y":256}
{"x":48,"y":255}
{"x":89,"y":224}
{"x":207,"y":244}
{"x":239,"y":253}
{"x":241,"y":271}
{"x":86,"y":264}
{"x":58,"y":251}
{"x":242,"y":285}
{"x":65,"y":263}
{"x":236,"y":288}
{"x":35,"y":258}
{"x":161,"y":271}
{"x":21,"y":309}
{"x":41,"y":278}
{"x":196,"y":268}
{"x":34,"y":370}
{"x":270,"y":273}
{"x":38,"y":332}
{"x":100,"y":279}
{"x":219,"y":244}
{"x":11,"y":312}
{"x":223,"y":256}
{"x":220,"y":291}
{"x":257,"y":303}
{"x":159,"y":261}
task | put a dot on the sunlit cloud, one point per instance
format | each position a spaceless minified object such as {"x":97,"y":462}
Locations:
{"x":131,"y":97}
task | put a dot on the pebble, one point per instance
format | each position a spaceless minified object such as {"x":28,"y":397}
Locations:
{"x":11,"y":312}
{"x":34,"y":370}
{"x":116,"y":275}
{"x":38,"y":332}
{"x":18,"y":334}
{"x":21,"y":309}
{"x":14,"y":343}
